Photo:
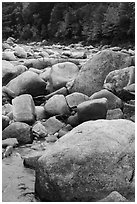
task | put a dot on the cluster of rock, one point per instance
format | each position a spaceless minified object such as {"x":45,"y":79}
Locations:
{"x":81,"y":101}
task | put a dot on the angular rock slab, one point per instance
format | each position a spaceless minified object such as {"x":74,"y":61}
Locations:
{"x":113,"y":100}
{"x":88,"y":163}
{"x":40,"y":112}
{"x":118,"y":79}
{"x":57,"y":105}
{"x":39,"y":130}
{"x":92,"y":74}
{"x":53,"y":125}
{"x":27,"y":83}
{"x":92,"y":110}
{"x":19,"y":130}
{"x":114,"y":114}
{"x":24,"y":109}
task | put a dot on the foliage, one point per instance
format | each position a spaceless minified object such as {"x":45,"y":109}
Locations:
{"x":90,"y":22}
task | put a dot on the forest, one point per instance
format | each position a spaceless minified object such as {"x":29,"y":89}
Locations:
{"x":65,"y":22}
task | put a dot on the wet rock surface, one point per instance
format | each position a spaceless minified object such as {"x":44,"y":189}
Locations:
{"x":48,"y":93}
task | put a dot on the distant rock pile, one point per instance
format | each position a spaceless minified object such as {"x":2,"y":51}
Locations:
{"x":80,"y":99}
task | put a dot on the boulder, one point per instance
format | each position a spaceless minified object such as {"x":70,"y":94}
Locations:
{"x":74,"y":99}
{"x":66,"y":53}
{"x":9,"y":142}
{"x":114,"y":197}
{"x":5,"y":121}
{"x":37,"y":71}
{"x":20,"y":69}
{"x":57,"y":105}
{"x":21,"y":131}
{"x":39,"y":130}
{"x":39,"y":63}
{"x":78,"y":55}
{"x":40,"y":112}
{"x":24,"y":109}
{"x":30,"y":160}
{"x":53,"y":125}
{"x":73,"y":120}
{"x":45,"y":74}
{"x":7,"y":108}
{"x":8,"y":151}
{"x":113,"y":100}
{"x":118,"y":79}
{"x":75,"y":54}
{"x":133,"y":60}
{"x":51,"y":138}
{"x":64,"y":130}
{"x":116,"y":48}
{"x":114,"y":114}
{"x":5,"y":46}
{"x":20,"y":52}
{"x":62,"y":91}
{"x":9,"y":56}
{"x":130,"y":88}
{"x":8,"y":72}
{"x":10,"y":41}
{"x":27,"y":83}
{"x":125,"y":95}
{"x":44,"y":54}
{"x":88,"y":163}
{"x":92,"y":110}
{"x":62,"y":73}
{"x":92,"y":74}
{"x":10,"y":115}
{"x":7,"y":95}
{"x":131,"y":52}
{"x":129,"y":111}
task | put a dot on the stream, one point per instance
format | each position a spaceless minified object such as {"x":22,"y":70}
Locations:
{"x":18,"y":181}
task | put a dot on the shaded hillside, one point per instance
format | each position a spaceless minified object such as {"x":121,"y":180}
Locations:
{"x":97,"y":22}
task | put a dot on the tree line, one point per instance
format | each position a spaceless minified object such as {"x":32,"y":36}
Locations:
{"x":96,"y":22}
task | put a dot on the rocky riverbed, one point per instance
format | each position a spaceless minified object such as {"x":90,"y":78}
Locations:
{"x":68,"y":123}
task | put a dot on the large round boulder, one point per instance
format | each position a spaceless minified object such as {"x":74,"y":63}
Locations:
{"x":92,"y":74}
{"x":88,"y":163}
{"x":62,"y":73}
{"x":27,"y":83}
